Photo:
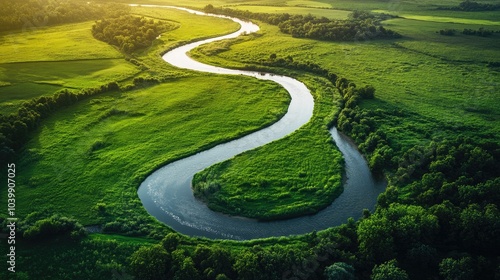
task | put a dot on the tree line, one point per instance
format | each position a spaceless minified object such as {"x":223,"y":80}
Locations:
{"x":447,"y":222}
{"x":473,"y":6}
{"x":452,"y":182}
{"x":129,"y":33}
{"x":15,"y":128}
{"x":29,"y":14}
{"x":479,"y":32}
{"x":361,"y":25}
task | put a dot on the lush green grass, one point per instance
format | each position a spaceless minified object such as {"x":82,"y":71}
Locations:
{"x":328,"y":13}
{"x":41,"y":61}
{"x":63,"y":42}
{"x":423,"y":37}
{"x":421,"y":74}
{"x":32,"y":79}
{"x":191,"y":26}
{"x":96,"y":257}
{"x":297,"y":175}
{"x":447,"y":19}
{"x":101,"y":149}
{"x":308,"y":3}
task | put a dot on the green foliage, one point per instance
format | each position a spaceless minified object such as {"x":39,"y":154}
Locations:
{"x":171,"y":241}
{"x":340,"y":271}
{"x":361,"y":25}
{"x":15,"y":128}
{"x":473,"y":6}
{"x":393,"y":231}
{"x":480,"y":32}
{"x":453,"y":269}
{"x":150,"y":262}
{"x":129,"y":33}
{"x":125,"y":122}
{"x":94,"y":257}
{"x":297,"y":175}
{"x":447,"y":32}
{"x":51,"y":227}
{"x":31,"y":14}
{"x":389,"y":271}
{"x":423,"y":84}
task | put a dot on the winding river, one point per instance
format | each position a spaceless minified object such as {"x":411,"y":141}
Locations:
{"x":166,"y":193}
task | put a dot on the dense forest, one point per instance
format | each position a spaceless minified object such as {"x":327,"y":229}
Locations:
{"x":129,"y":33}
{"x":360,"y":26}
{"x":29,"y":14}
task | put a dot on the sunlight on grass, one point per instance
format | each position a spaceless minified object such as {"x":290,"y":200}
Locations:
{"x":133,"y":133}
{"x":441,"y":18}
{"x":63,"y":42}
{"x":328,"y":13}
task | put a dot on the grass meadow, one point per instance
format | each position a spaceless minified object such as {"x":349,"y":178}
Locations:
{"x":299,"y":174}
{"x":40,"y":61}
{"x":87,"y":160}
{"x":100,"y":150}
{"x":432,"y":78}
{"x":439,"y":80}
{"x":439,"y":83}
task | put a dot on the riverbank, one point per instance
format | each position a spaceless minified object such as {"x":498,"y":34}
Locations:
{"x":166,"y":194}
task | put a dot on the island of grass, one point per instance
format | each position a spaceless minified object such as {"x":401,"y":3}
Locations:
{"x":298,"y":175}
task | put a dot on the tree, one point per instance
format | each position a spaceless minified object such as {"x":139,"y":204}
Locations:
{"x":389,"y":271}
{"x":395,"y":230}
{"x":340,"y":271}
{"x":247,"y":266}
{"x":171,"y":241}
{"x":452,"y":269}
{"x":150,"y":262}
{"x":187,"y":270}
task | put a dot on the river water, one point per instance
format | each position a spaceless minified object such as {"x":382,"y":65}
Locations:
{"x":166,"y":193}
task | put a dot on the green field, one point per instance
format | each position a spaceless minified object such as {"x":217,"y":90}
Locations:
{"x":42,"y":61}
{"x":422,"y":73}
{"x":134,"y":133}
{"x":328,"y":13}
{"x":432,"y":131}
{"x":46,"y":59}
{"x":54,"y":43}
{"x":302,"y":173}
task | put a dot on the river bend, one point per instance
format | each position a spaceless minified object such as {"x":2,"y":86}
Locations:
{"x":166,"y":193}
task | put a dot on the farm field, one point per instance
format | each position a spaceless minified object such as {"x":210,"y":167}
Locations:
{"x":86,"y":121}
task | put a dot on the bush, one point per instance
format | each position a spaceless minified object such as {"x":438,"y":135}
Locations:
{"x":54,"y":226}
{"x":129,"y":33}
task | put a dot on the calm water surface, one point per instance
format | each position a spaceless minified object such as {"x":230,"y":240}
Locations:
{"x":166,"y":194}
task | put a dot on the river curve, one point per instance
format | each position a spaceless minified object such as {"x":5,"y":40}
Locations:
{"x":166,"y":193}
